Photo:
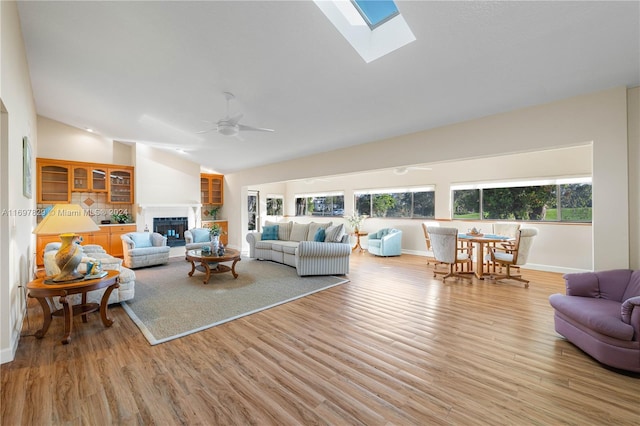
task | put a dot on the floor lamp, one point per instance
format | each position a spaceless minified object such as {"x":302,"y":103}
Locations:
{"x":67,"y":220}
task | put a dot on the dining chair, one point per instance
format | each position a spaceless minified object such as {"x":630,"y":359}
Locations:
{"x":446,"y":250}
{"x":505,"y":229}
{"x":516,"y":255}
{"x":427,"y":240}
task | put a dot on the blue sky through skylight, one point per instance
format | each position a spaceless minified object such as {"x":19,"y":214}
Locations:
{"x":376,"y":12}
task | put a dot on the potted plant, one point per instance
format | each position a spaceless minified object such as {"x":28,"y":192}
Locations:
{"x":356,"y":221}
{"x":120,"y":217}
{"x":215,"y":231}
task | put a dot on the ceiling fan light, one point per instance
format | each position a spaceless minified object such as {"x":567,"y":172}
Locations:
{"x":228,"y":130}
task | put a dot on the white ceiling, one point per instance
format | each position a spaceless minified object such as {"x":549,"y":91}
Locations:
{"x":153,"y":71}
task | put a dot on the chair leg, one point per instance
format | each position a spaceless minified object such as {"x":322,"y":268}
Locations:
{"x":508,"y":276}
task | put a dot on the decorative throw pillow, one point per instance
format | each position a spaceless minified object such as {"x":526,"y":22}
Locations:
{"x":320,"y":234}
{"x":270,"y":232}
{"x":313,"y":228}
{"x":334,"y":234}
{"x":284,"y":229}
{"x":141,"y":239}
{"x":299,"y":231}
{"x":200,"y":235}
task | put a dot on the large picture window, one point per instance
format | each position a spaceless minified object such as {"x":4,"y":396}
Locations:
{"x":275,"y":205}
{"x":562,"y":200}
{"x":320,"y":205}
{"x":400,"y":203}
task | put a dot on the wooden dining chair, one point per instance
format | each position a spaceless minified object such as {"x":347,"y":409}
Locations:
{"x":514,"y":256}
{"x":446,"y":250}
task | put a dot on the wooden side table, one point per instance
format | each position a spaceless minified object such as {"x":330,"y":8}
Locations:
{"x":45,"y":293}
{"x":358,"y":235}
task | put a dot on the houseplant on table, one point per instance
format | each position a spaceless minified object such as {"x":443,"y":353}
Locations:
{"x":215,"y":231}
{"x":356,"y":221}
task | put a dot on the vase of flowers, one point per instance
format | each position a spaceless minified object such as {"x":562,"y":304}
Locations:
{"x":355,"y":221}
{"x":214,"y":232}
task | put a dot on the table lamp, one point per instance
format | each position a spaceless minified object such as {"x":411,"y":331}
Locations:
{"x":66,"y":220}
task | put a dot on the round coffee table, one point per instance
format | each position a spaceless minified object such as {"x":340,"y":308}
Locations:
{"x":212,"y":264}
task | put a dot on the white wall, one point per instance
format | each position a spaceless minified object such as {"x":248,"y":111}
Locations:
{"x":64,"y":142}
{"x":633,"y":105}
{"x":17,"y":244}
{"x":597,"y":118}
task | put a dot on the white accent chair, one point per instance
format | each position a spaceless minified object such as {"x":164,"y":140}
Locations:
{"x":444,"y":242}
{"x":195,"y":238}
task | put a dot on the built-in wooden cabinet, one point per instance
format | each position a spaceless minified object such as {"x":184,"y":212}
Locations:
{"x":121,"y":186}
{"x":224,"y":225}
{"x":108,"y":237}
{"x":212,"y":189}
{"x":89,"y":179}
{"x":53,"y":182}
{"x":57,"y":179}
{"x":115,"y":242}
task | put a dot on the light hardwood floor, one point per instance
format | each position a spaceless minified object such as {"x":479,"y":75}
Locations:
{"x":393,"y":346}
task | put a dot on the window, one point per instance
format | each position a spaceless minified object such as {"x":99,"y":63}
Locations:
{"x":377,"y":12}
{"x":400,"y":203}
{"x":320,"y":205}
{"x":373,"y":28}
{"x":567,"y":200}
{"x":275,"y":205}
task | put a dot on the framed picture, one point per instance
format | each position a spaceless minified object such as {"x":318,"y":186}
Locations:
{"x":27,"y":172}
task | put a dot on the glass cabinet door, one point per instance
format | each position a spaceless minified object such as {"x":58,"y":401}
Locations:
{"x":99,"y":180}
{"x":120,"y":186}
{"x":80,"y":179}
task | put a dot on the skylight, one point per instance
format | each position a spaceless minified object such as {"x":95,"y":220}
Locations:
{"x":373,"y":28}
{"x":376,"y":12}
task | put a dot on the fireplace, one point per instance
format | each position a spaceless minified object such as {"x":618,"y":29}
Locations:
{"x":173,"y":228}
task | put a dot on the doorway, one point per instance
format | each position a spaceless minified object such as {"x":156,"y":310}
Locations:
{"x":253,"y":210}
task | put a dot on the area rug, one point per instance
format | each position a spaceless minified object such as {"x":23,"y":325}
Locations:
{"x":169,"y":304}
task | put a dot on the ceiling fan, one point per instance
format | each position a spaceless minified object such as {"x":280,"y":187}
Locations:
{"x":230,"y":126}
{"x":405,"y":170}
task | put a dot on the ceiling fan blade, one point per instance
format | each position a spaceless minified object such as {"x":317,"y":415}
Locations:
{"x":234,"y":120}
{"x":205,"y":131}
{"x":259,"y":129}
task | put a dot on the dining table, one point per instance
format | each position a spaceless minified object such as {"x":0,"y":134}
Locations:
{"x":481,"y":241}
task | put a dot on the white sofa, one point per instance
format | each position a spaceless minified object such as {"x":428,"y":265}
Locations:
{"x":301,"y":246}
{"x":144,"y":249}
{"x":93,"y":252}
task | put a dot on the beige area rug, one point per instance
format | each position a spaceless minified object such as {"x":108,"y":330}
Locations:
{"x":169,"y":304}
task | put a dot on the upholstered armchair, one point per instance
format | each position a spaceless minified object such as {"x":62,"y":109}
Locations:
{"x":600,"y":314}
{"x":386,"y":242}
{"x":195,"y":238}
{"x":444,"y":242}
{"x":144,"y":249}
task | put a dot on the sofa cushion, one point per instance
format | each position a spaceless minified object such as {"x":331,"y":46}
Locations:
{"x":265,"y":245}
{"x":313,"y":228}
{"x":319,"y":236}
{"x":270,"y":232}
{"x":334,"y":234}
{"x":600,"y":315}
{"x":141,"y":239}
{"x":284,"y":229}
{"x":200,"y":235}
{"x":299,"y":232}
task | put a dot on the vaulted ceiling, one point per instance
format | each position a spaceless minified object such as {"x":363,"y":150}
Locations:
{"x":154,"y":72}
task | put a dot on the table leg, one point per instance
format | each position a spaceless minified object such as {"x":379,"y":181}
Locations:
{"x":108,"y":322}
{"x":233,"y":268}
{"x":193,"y":267}
{"x":46,"y":316}
{"x":84,"y":302}
{"x":68,"y":320}
{"x":480,"y":261}
{"x":205,"y":265}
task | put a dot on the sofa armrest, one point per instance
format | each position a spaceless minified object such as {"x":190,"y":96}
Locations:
{"x":127,"y":242}
{"x":158,"y":240}
{"x":628,"y":307}
{"x":188,"y":237}
{"x":318,"y":249}
{"x":583,"y":284}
